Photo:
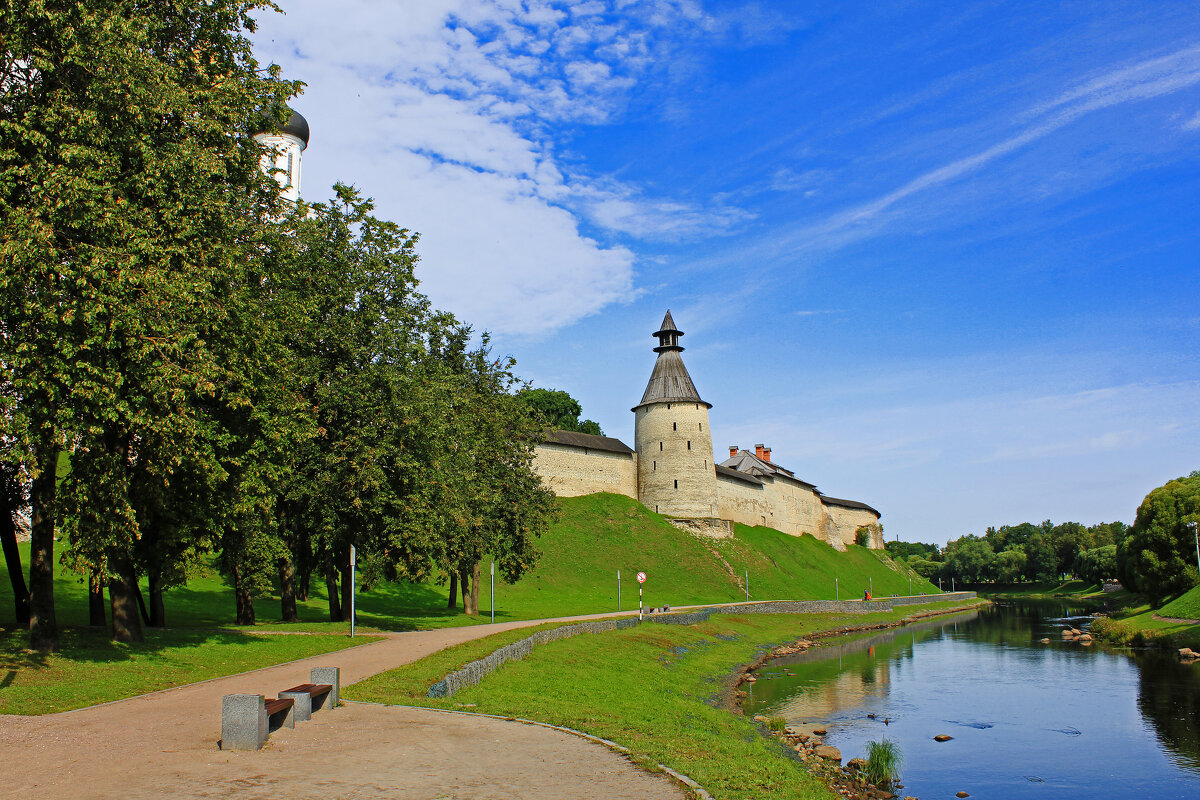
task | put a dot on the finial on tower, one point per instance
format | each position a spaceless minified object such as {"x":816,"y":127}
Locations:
{"x":668,"y":335}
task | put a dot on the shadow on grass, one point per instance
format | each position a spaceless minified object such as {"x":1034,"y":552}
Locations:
{"x":95,"y":646}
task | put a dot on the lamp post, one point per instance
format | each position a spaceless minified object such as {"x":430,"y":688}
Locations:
{"x":1196,"y":534}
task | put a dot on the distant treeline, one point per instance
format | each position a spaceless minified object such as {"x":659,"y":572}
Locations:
{"x":1155,"y":556}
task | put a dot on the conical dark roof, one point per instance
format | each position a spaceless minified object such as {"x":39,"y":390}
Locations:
{"x":670,"y":381}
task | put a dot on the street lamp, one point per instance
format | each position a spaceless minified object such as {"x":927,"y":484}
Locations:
{"x":1196,"y":534}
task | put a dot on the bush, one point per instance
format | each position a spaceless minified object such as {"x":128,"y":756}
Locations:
{"x":883,"y":762}
{"x":777,"y":724}
{"x":862,"y":537}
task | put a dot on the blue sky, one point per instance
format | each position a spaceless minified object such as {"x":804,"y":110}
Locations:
{"x":942,"y":258}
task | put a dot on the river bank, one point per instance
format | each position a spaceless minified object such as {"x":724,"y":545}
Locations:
{"x":658,"y":690}
{"x":997,"y":704}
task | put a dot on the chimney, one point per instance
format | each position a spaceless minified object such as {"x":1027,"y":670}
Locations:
{"x":759,"y":450}
{"x":766,"y":454}
{"x":733,"y":450}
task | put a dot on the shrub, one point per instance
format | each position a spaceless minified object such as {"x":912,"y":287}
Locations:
{"x":862,"y":537}
{"x":777,"y":724}
{"x":883,"y":762}
{"x":1114,"y":630}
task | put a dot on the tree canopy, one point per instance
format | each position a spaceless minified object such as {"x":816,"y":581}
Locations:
{"x":557,"y":409}
{"x":1157,"y":555}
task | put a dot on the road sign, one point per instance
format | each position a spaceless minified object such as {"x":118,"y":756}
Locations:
{"x":641,"y":577}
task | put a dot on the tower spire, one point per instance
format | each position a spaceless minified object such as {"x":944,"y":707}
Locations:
{"x":668,"y":335}
{"x":670,"y":381}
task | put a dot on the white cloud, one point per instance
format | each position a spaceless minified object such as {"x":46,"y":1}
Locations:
{"x":442,"y":112}
{"x":1192,"y":124}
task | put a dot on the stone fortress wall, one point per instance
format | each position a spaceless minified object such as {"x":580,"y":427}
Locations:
{"x":673,"y":472}
{"x":571,"y":471}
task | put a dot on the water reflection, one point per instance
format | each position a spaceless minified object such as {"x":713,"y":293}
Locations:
{"x":1028,"y":719}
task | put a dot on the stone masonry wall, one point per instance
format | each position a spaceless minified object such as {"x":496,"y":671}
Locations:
{"x":676,"y":473}
{"x":473,"y":673}
{"x":847,"y":521}
{"x":573,"y":471}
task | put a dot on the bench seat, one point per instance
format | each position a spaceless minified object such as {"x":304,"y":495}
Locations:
{"x":308,"y":697}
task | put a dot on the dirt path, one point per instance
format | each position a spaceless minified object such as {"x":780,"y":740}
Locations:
{"x":164,"y":744}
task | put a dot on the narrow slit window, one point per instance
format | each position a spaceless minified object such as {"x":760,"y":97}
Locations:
{"x":290,"y":181}
{"x":655,"y":467}
{"x":674,"y":426}
{"x":676,"y":484}
{"x":689,"y":444}
{"x":660,"y":447}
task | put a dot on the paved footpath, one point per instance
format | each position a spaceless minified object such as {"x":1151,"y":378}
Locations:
{"x":165,"y":744}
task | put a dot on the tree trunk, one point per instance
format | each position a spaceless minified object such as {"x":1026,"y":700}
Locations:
{"x":464,"y":586}
{"x":12,"y":560}
{"x":141,"y":602}
{"x":43,"y":627}
{"x":347,"y":589}
{"x":303,"y":582}
{"x":158,"y":611}
{"x":287,"y":590}
{"x":475,"y":590}
{"x":242,"y":600}
{"x":123,"y":593}
{"x":452,"y":602}
{"x":331,"y":589}
{"x":96,"y":613}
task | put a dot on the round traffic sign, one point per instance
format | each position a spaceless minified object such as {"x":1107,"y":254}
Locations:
{"x":641,"y":577}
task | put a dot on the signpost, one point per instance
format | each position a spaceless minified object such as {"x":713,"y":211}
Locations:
{"x":618,"y":590}
{"x":353,"y":558}
{"x":641,"y":578}
{"x":747,"y":586}
{"x":493,"y":590}
{"x":837,"y":595}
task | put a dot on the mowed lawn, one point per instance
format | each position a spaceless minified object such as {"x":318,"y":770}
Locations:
{"x":655,"y":689}
{"x":593,"y":538}
{"x":90,"y":668}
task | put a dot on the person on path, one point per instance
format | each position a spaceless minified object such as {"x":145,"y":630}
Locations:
{"x":866,"y":594}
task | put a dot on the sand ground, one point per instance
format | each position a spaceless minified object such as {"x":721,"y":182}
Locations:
{"x":165,"y":745}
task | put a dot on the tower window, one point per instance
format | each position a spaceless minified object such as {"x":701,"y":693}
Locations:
{"x":701,"y":426}
{"x":668,"y":406}
{"x":290,"y":180}
{"x":660,"y":447}
{"x":655,"y":467}
{"x":689,"y":444}
{"x":676,"y":484}
{"x":697,"y":406}
{"x":674,"y":426}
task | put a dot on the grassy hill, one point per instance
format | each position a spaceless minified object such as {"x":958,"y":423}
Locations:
{"x":1186,"y":606}
{"x":595,"y":536}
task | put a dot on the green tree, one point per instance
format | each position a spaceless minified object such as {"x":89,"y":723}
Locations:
{"x":971,"y":559}
{"x":1097,"y":564}
{"x":557,"y":410}
{"x":1157,"y":555}
{"x":1010,"y":564}
{"x":131,"y":200}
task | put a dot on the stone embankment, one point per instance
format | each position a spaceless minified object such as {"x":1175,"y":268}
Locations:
{"x":825,"y":761}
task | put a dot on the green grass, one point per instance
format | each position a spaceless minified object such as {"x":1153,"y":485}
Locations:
{"x":594,"y":537}
{"x":654,"y":689}
{"x":1186,"y":606}
{"x":89,"y":668}
{"x":1036,"y":589}
{"x":883,"y":762}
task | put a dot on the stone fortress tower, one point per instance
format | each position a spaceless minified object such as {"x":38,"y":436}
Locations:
{"x":672,"y":437}
{"x":288,"y":143}
{"x":671,"y":469}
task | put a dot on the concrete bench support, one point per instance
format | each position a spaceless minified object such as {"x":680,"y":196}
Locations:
{"x":332,"y":676}
{"x":243,"y":722}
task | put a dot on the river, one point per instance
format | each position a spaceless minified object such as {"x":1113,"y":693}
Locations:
{"x":1029,"y":720}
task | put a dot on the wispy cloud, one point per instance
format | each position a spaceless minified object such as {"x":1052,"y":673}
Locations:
{"x":1192,"y":124}
{"x":1139,"y":81}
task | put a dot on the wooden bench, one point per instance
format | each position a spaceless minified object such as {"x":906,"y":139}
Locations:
{"x":308,"y":697}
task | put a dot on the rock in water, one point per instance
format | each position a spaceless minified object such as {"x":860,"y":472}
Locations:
{"x":941,"y":737}
{"x":828,"y":752}
{"x":819,"y":731}
{"x":961,"y":794}
{"x":1045,"y":641}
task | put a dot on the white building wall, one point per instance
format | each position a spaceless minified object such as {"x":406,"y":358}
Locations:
{"x":676,"y":470}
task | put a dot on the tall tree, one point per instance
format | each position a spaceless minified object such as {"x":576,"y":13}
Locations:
{"x":557,"y":409}
{"x":132,"y":207}
{"x":1157,"y":555}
